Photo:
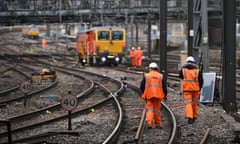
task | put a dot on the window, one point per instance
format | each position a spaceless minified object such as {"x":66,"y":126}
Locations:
{"x":103,"y":35}
{"x":117,"y":35}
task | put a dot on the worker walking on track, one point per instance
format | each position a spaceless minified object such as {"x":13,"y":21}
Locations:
{"x":154,"y":90}
{"x":191,"y":81}
{"x":139,"y":54}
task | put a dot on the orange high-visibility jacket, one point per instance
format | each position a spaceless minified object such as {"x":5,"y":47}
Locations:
{"x":153,"y":86}
{"x":139,"y":53}
{"x":190,"y":80}
{"x":131,"y":53}
{"x":133,"y":57}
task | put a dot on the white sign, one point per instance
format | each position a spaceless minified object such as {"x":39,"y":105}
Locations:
{"x":191,"y":33}
{"x":69,"y":102}
{"x":26,"y":87}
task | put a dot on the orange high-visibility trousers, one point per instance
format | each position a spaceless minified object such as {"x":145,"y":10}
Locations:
{"x":191,"y":104}
{"x":140,"y":58}
{"x":153,"y":113}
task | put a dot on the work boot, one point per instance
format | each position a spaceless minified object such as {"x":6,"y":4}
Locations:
{"x":194,"y":119}
{"x":158,"y":127}
{"x":149,"y":127}
{"x":190,"y":121}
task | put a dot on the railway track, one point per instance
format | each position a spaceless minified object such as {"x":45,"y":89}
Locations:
{"x":113,"y":92}
{"x":65,"y":135}
{"x":143,"y":135}
{"x":176,"y":128}
{"x":168,"y":112}
{"x":91,"y":101}
{"x":53,"y":107}
{"x":8,"y":75}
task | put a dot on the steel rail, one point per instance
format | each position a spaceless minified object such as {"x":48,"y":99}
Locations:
{"x":30,"y":94}
{"x":14,"y":87}
{"x":85,"y":92}
{"x":205,"y":137}
{"x":172,"y":118}
{"x":114,"y":95}
{"x":173,"y":135}
{"x":110,"y":138}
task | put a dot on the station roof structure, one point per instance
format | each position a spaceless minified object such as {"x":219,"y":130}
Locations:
{"x":94,"y":11}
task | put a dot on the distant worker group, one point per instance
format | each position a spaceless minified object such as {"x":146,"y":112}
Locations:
{"x":136,"y":56}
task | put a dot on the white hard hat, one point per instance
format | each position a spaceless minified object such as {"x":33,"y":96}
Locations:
{"x":133,"y":48}
{"x":45,"y":70}
{"x":190,"y":59}
{"x":153,"y":65}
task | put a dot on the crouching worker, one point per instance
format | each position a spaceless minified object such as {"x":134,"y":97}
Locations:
{"x":154,"y":90}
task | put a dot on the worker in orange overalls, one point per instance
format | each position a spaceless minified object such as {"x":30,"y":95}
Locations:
{"x":192,"y":81}
{"x":133,"y":56}
{"x":154,"y":89}
{"x":44,"y":43}
{"x":139,"y":54}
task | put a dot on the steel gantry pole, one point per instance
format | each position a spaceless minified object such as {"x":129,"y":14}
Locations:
{"x":126,"y":27}
{"x":149,"y":35}
{"x":132,"y":27}
{"x":60,"y":11}
{"x":229,"y":57}
{"x":163,"y":37}
{"x":190,"y":26}
{"x":136,"y":27}
{"x":204,"y":35}
{"x":198,"y":30}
